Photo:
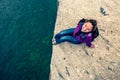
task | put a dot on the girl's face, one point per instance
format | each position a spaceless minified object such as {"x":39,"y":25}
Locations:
{"x":87,"y":27}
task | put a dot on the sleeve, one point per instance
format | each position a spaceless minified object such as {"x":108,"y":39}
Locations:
{"x":88,"y":40}
{"x":81,"y":21}
{"x":79,"y":25}
{"x":76,"y":30}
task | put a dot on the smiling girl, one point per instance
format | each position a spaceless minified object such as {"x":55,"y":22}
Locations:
{"x":85,"y":32}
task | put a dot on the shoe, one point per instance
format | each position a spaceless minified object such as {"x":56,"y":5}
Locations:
{"x":54,"y":41}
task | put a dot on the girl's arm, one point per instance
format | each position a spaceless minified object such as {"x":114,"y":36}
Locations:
{"x":76,"y":30}
{"x":88,"y":41}
{"x":79,"y":26}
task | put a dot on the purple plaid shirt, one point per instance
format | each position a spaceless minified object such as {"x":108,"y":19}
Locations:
{"x":87,"y":39}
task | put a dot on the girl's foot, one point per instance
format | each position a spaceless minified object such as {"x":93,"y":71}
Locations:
{"x":54,"y":41}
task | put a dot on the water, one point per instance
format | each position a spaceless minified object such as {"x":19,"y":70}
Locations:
{"x":26,"y":30}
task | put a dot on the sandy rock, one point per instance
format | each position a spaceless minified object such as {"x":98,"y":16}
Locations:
{"x":78,"y":62}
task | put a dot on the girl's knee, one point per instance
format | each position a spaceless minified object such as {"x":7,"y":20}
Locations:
{"x":64,"y":37}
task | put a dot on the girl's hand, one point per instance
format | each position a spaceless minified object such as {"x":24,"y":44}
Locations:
{"x":92,"y":46}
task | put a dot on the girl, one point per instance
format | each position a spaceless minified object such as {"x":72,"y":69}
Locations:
{"x":85,"y":32}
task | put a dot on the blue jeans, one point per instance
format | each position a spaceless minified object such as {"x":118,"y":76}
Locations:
{"x":66,"y":35}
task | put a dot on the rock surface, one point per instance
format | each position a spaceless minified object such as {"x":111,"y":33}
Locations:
{"x":78,"y":62}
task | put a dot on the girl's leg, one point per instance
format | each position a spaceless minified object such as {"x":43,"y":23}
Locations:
{"x":67,"y":38}
{"x":65,"y":32}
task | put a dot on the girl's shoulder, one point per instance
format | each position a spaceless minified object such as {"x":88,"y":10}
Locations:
{"x":89,"y":34}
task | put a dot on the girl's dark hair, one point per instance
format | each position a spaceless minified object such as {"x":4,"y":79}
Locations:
{"x":93,"y":22}
{"x":95,"y":31}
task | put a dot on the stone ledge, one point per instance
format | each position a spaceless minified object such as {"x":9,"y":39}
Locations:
{"x":78,"y":62}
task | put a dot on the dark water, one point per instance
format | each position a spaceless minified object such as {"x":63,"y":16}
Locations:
{"x":26,"y":30}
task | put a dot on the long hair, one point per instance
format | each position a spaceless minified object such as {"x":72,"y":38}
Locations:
{"x":92,"y":21}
